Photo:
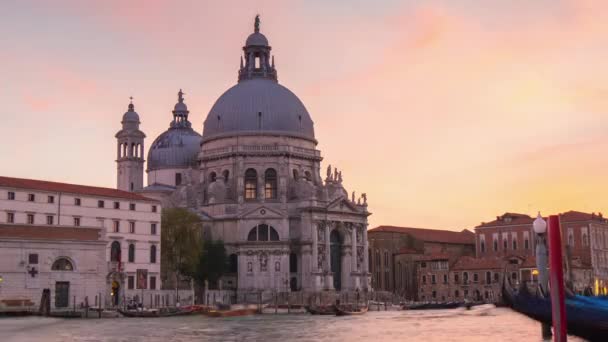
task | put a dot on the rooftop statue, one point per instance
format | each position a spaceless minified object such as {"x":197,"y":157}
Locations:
{"x":256,"y":25}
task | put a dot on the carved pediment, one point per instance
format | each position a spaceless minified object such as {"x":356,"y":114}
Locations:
{"x":262,"y":212}
{"x":343,"y":205}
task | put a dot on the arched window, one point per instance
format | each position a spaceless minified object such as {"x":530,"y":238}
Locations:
{"x":295,"y":174}
{"x":226,"y":175}
{"x":233,"y":263}
{"x":263,"y":232}
{"x":251,"y":184}
{"x":212,"y":177}
{"x":274,"y":235}
{"x":115,"y":251}
{"x":131,"y":253}
{"x":153,"y":254}
{"x":62,"y":264}
{"x":270,"y":184}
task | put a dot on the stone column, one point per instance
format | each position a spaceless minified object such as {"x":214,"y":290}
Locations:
{"x":354,"y":247}
{"x":315,"y":244}
{"x":365,"y":267}
{"x":261,"y":186}
{"x":329,"y":279}
{"x":118,"y":151}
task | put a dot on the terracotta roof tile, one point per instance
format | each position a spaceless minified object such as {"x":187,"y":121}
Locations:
{"x":508,"y":219}
{"x":573,"y":216}
{"x":21,"y":183}
{"x":16,"y":231}
{"x":431,"y":235}
{"x":405,"y":250}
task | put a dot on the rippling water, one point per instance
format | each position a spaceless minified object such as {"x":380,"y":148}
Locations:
{"x":498,"y":324}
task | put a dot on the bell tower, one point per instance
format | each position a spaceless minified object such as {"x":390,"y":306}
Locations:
{"x":130,"y":152}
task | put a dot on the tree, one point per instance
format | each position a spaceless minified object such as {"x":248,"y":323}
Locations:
{"x":181,"y":243}
{"x":212,"y":263}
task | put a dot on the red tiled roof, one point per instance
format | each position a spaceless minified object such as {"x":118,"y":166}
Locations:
{"x":405,"y":250}
{"x":573,"y":216}
{"x":470,"y":263}
{"x":33,"y":184}
{"x":508,"y":219}
{"x":437,"y":256}
{"x":16,"y":231}
{"x":431,"y":235}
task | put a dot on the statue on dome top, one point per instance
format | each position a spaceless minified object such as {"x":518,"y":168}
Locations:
{"x":329,"y":172}
{"x":256,"y":25}
{"x":180,"y":96}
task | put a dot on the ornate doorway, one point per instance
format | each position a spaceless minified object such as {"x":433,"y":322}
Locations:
{"x":336,"y":258}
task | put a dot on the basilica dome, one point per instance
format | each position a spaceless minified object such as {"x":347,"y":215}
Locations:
{"x":258,"y":104}
{"x":178,"y":146}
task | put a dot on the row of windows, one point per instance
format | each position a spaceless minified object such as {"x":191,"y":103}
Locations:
{"x":116,"y":253}
{"x":77,"y":201}
{"x":131,"y":282}
{"x":251,"y":184}
{"x":505,"y":245}
{"x":465,"y":278}
{"x":116,"y":227}
{"x":50,"y":220}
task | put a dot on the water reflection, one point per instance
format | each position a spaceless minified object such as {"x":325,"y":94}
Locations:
{"x":497,"y":324}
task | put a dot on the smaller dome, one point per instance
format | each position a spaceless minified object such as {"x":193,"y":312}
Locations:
{"x":130,"y":115}
{"x":256,"y":39}
{"x":180,"y":107}
{"x":175,"y":148}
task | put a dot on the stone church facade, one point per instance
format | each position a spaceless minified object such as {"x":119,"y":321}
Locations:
{"x":254,"y":178}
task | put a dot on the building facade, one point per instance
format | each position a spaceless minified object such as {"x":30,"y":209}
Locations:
{"x":254,"y":178}
{"x":395,"y":253}
{"x":130,"y":223}
{"x":69,"y":261}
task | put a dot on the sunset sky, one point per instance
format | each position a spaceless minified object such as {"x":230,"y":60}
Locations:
{"x":446,"y":113}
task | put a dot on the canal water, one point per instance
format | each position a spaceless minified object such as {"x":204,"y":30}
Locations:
{"x":496,"y":324}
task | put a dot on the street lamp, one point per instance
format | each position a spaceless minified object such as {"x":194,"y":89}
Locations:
{"x":540,"y":228}
{"x":540,"y":225}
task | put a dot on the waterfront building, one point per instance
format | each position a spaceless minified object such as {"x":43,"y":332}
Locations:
{"x":69,"y":261}
{"x":254,"y":178}
{"x":395,"y":251}
{"x":128,"y":225}
{"x":584,"y":240}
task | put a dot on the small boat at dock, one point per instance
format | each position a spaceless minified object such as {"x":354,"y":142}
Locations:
{"x":321,"y":309}
{"x":350,"y":310}
{"x":584,"y":318}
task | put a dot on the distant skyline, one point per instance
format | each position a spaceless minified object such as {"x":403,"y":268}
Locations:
{"x":446,"y":113}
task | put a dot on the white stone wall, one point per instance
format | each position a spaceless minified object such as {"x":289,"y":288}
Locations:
{"x":87,"y":279}
{"x":64,"y":211}
{"x":166,"y":176}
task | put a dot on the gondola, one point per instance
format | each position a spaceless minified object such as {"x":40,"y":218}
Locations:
{"x":350,"y":310}
{"x":321,"y":310}
{"x":433,"y":306}
{"x":586,"y":320}
{"x":165,"y":312}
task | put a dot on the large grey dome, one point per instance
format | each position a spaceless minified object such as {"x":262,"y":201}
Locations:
{"x":175,"y":148}
{"x":255,"y":106}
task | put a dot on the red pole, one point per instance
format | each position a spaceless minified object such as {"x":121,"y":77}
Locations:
{"x":558,"y":305}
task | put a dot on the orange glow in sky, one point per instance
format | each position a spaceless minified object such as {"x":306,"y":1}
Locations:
{"x":446,"y":113}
